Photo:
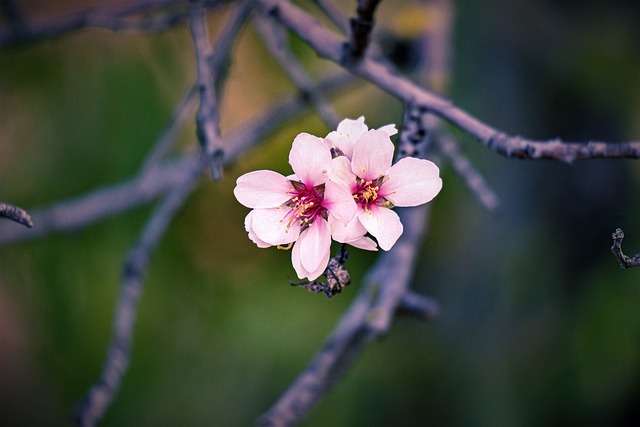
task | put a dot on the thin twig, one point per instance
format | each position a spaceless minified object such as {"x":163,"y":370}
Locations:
{"x":332,"y":12}
{"x":368,"y":317}
{"x":116,"y":17}
{"x":207,"y":117}
{"x":625,"y":261}
{"x":98,"y":398}
{"x":329,"y":46}
{"x":16,"y":214}
{"x":110,"y":200}
{"x":169,"y":135}
{"x":449,"y":148}
{"x":295,"y":71}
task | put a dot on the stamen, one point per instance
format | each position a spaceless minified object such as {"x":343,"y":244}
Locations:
{"x":285,"y":247}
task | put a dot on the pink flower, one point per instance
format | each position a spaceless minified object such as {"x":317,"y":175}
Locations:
{"x":377,"y":186}
{"x":296,"y":208}
{"x":349,"y":132}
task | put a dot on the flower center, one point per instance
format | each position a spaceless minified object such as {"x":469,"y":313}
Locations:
{"x":305,"y":205}
{"x":366,"y":193}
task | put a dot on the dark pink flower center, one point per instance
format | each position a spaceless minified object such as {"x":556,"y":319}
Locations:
{"x":305,"y":205}
{"x":366,"y":193}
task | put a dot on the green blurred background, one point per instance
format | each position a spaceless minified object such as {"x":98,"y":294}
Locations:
{"x":539,"y":325}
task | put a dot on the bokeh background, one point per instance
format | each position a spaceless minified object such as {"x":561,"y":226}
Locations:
{"x":539,"y":325}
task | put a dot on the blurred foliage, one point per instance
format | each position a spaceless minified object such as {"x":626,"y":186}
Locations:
{"x":539,"y":325}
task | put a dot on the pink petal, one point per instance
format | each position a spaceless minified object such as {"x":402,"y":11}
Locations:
{"x":351,"y":233}
{"x":341,"y":173}
{"x":315,"y":244}
{"x":272,"y":226}
{"x":352,"y":128}
{"x":384,"y":224}
{"x":411,"y":182}
{"x":262,"y":189}
{"x":252,"y":235}
{"x":339,"y":201}
{"x":347,"y":135}
{"x":389,"y":129}
{"x":372,"y":155}
{"x":310,"y":159}
{"x":345,"y":232}
{"x":300,"y":270}
{"x":364,"y":243}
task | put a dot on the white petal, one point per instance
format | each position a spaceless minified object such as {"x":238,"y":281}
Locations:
{"x":389,"y":129}
{"x":252,"y":235}
{"x":352,"y":233}
{"x":372,"y":155}
{"x":345,"y":232}
{"x":341,"y":173}
{"x":364,"y":243}
{"x":310,"y":159}
{"x":352,"y":128}
{"x":411,"y":182}
{"x":262,"y":189}
{"x":339,"y":201}
{"x":315,"y":244}
{"x":272,"y":226}
{"x":301,"y":271}
{"x":384,"y":224}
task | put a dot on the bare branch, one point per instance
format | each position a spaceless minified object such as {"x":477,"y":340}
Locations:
{"x":295,"y":71}
{"x":99,"y":397}
{"x":111,"y":200}
{"x":329,"y":46}
{"x":475,"y":182}
{"x":417,"y":305}
{"x":338,"y":19}
{"x":207,"y":118}
{"x":625,"y":261}
{"x":368,"y":316}
{"x":16,"y":214}
{"x":113,"y":17}
{"x":361,"y":27}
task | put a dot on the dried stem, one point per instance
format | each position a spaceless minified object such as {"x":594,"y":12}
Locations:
{"x":625,"y":261}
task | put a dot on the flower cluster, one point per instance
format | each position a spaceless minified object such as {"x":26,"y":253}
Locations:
{"x":343,"y":187}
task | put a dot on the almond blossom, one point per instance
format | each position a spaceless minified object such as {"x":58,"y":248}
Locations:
{"x":377,"y":186}
{"x":294,"y":211}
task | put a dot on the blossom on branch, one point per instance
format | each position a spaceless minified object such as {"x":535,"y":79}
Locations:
{"x":377,"y":186}
{"x":294,"y":211}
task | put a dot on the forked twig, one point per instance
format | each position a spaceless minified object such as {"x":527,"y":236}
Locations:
{"x":625,"y":261}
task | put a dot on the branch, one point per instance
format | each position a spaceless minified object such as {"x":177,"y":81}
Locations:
{"x":16,"y":214}
{"x":97,"y":400}
{"x":475,"y":182}
{"x":625,"y":261}
{"x":370,"y":315}
{"x":207,"y":118}
{"x":329,"y":46}
{"x":152,"y":182}
{"x":295,"y":71}
{"x":114,"y":17}
{"x":361,"y":27}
